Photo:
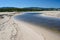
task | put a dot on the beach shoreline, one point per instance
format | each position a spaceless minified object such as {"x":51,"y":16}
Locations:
{"x":11,"y":29}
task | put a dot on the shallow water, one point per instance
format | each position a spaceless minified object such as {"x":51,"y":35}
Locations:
{"x":37,"y":19}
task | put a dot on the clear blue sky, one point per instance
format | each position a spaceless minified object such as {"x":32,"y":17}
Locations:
{"x":30,"y":3}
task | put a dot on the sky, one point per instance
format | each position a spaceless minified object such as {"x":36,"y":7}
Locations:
{"x":30,"y":3}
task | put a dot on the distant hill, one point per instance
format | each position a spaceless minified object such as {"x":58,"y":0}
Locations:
{"x":11,"y":9}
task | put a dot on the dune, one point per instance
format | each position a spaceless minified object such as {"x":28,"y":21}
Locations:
{"x":11,"y":29}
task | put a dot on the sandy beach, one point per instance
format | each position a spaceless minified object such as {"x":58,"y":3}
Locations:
{"x":11,"y":29}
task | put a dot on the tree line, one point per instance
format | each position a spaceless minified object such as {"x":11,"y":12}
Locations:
{"x":12,"y":9}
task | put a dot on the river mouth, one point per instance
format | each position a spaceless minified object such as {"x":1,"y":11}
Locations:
{"x":38,"y":19}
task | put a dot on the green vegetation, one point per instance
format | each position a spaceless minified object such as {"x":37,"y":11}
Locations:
{"x":11,"y":9}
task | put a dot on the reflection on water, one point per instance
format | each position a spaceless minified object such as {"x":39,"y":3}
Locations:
{"x":41,"y":20}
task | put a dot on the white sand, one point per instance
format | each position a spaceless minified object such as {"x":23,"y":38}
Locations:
{"x":51,"y":13}
{"x":11,"y":29}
